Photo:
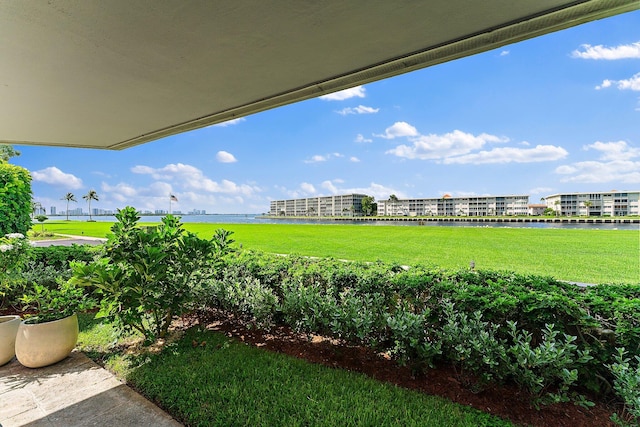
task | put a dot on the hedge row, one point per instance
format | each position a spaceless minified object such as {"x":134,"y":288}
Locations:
{"x":497,"y":326}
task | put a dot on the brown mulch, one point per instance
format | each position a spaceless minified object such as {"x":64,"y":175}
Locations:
{"x":507,"y":402}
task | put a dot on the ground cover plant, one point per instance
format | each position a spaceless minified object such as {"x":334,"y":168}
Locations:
{"x":591,"y":256}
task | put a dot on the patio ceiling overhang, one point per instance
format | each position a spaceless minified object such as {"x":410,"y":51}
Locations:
{"x":115,"y":74}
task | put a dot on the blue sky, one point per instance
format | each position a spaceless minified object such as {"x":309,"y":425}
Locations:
{"x":559,"y":113}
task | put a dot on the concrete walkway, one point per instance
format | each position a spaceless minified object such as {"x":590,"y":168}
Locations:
{"x":70,"y":393}
{"x":69,"y":240}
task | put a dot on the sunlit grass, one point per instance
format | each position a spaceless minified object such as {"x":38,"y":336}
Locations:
{"x":584,"y":255}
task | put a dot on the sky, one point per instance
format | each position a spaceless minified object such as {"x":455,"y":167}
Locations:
{"x":555,"y":114}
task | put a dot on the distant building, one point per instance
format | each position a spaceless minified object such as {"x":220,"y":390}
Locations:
{"x":161,"y":212}
{"x":456,"y":206}
{"x":197,"y":212}
{"x":346,"y":205}
{"x":537,"y":209}
{"x":607,"y":203}
{"x":53,"y":210}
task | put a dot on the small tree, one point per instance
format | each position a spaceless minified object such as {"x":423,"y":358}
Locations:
{"x":367,"y":205}
{"x":41,"y":219}
{"x":587,"y":205}
{"x":91,"y":195}
{"x":149,"y":275}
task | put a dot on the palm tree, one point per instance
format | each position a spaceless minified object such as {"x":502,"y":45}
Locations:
{"x":69,"y":197}
{"x":91,"y":195}
{"x":557,"y":203}
{"x":587,"y":205}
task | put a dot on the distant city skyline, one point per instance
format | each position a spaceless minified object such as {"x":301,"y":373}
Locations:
{"x":557,"y":113}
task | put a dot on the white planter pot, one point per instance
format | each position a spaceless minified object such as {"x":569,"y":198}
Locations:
{"x":8,"y":330}
{"x":43,"y":344}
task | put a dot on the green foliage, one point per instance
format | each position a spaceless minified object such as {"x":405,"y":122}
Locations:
{"x":15,"y":199}
{"x":473,"y":346}
{"x":425,"y":315}
{"x":549,"y":369}
{"x":56,"y":304}
{"x":148,"y":275}
{"x":59,"y":257}
{"x":15,"y":252}
{"x":627,"y":385}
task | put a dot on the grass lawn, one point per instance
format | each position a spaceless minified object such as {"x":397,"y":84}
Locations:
{"x":229,"y":383}
{"x":592,"y":256}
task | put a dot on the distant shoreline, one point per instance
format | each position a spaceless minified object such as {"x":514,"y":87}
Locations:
{"x":562,"y":220}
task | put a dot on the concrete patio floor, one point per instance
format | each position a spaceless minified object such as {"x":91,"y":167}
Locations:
{"x":70,"y":393}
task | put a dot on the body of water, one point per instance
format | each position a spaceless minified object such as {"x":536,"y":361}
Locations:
{"x":259,"y":219}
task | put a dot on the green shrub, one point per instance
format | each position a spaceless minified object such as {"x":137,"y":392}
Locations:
{"x":549,"y":369}
{"x":15,"y":199}
{"x":627,"y":386}
{"x":473,"y":346}
{"x":15,"y":252}
{"x":59,"y":257}
{"x":404,"y":312}
{"x":148,"y":275}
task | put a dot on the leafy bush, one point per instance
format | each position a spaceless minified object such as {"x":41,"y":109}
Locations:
{"x":15,"y":199}
{"x":549,"y":369}
{"x":473,"y":345}
{"x":627,"y":385}
{"x":55,"y":304}
{"x":148,"y":275}
{"x":59,"y":257}
{"x":15,"y":251}
{"x":565,"y":335}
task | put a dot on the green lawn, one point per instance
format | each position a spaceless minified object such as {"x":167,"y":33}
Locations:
{"x":592,"y":256}
{"x":228,"y":383}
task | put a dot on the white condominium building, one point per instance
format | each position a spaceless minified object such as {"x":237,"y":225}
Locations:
{"x":456,"y":206}
{"x":347,"y":205}
{"x":609,"y":203}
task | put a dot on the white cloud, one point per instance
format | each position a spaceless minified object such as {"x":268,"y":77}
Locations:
{"x":399,"y":130}
{"x":54,"y":176}
{"x":308,"y":188}
{"x":318,"y":158}
{"x":231,"y":122}
{"x":593,"y":172}
{"x":360,"y":109}
{"x":354,"y":159}
{"x":192,"y":178}
{"x":504,"y":53}
{"x":615,"y":164}
{"x":361,"y":139}
{"x":436,"y":147}
{"x":328,"y":185}
{"x":225,"y":157}
{"x":354,"y":92}
{"x":608,"y":53}
{"x":120,"y":192}
{"x":541,"y":153}
{"x":618,"y":150}
{"x":632,"y":83}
